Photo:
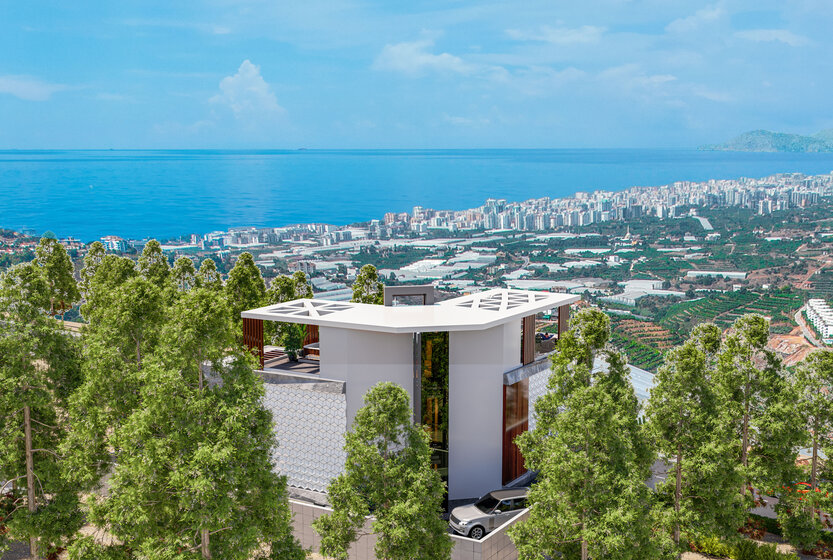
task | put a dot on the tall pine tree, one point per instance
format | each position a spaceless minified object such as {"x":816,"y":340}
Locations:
{"x":194,"y":478}
{"x":388,"y":475}
{"x":757,"y":402}
{"x":39,"y":366}
{"x":591,"y":499}
{"x":683,"y":422}
{"x":245,"y":288}
{"x":368,"y":288}
{"x":58,"y":271}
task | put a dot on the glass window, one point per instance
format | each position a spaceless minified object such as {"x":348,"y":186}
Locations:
{"x":518,"y":503}
{"x":434,"y":396}
{"x":487,"y":503}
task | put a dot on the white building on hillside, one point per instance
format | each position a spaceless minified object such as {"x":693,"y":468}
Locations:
{"x":469,"y":365}
{"x":820,"y":316}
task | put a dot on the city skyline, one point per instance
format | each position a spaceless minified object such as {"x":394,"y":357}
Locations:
{"x":343,"y":74}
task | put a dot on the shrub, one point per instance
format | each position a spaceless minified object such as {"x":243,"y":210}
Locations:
{"x":712,"y":546}
{"x":741,"y":549}
{"x":770,"y":552}
{"x":744,"y":550}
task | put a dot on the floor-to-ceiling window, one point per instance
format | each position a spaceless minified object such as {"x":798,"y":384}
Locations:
{"x":434,"y":396}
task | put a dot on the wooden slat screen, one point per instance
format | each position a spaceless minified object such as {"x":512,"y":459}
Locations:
{"x":312,"y":335}
{"x":563,"y":319}
{"x":253,"y":337}
{"x":515,"y":422}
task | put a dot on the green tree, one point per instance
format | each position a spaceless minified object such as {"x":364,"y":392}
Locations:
{"x":287,"y":288}
{"x":153,"y":265}
{"x":58,"y":271}
{"x":814,"y":405}
{"x":292,"y":336}
{"x":209,"y":277}
{"x":368,"y":288}
{"x":194,"y":476}
{"x":99,"y":277}
{"x":682,"y":417}
{"x":282,"y":289}
{"x":245,"y":288}
{"x":38,"y":369}
{"x":757,"y":405}
{"x":814,"y":384}
{"x":184,"y":274}
{"x":95,"y":254}
{"x":126,"y":313}
{"x":590,"y":453}
{"x":389,"y":475}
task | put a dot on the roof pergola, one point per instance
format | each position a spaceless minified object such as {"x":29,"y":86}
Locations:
{"x":478,"y":311}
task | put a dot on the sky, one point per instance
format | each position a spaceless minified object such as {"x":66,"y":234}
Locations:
{"x":345,"y":74}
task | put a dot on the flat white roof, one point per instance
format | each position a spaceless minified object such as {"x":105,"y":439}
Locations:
{"x":474,"y":312}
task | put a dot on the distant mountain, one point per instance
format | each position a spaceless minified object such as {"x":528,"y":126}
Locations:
{"x":766,"y":141}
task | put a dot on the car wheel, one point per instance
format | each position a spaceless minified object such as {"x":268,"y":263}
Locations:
{"x":477,"y":533}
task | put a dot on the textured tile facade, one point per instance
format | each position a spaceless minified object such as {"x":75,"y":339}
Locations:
{"x":537,"y":388}
{"x":310,"y":422}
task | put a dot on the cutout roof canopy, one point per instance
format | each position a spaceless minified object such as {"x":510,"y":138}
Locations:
{"x":477,"y":311}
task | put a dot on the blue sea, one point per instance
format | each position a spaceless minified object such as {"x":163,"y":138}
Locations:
{"x":167,"y":194}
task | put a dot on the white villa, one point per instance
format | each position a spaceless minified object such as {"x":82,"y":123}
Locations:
{"x":469,"y":365}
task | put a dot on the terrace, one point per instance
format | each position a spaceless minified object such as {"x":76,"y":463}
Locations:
{"x":275,"y":359}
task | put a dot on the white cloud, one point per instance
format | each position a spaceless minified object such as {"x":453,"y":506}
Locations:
{"x":631,"y":77}
{"x":773,"y":35}
{"x":561,"y":35}
{"x":29,"y":88}
{"x":211,"y":28}
{"x":709,"y":14}
{"x":711,"y":94}
{"x":544,"y":80}
{"x":466,"y":121}
{"x":415,"y":58}
{"x":247,"y":94}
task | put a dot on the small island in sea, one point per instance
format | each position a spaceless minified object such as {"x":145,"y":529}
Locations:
{"x":767,"y":141}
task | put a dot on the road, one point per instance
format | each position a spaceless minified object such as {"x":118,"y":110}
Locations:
{"x":805,"y":330}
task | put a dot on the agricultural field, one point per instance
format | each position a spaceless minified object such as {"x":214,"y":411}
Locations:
{"x":822,"y":284}
{"x":724,"y":308}
{"x":646,"y":332}
{"x":638,"y":354}
{"x":661,"y":266}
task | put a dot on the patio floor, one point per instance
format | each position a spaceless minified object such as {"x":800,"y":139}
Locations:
{"x":278,"y":361}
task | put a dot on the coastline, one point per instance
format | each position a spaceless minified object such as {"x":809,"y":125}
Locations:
{"x":170,"y":194}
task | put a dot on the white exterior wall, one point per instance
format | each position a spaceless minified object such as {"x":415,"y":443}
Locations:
{"x":477,"y":361}
{"x":511,"y":345}
{"x":364,"y":358}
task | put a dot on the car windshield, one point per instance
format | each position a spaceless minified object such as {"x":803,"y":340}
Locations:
{"x":487,"y":503}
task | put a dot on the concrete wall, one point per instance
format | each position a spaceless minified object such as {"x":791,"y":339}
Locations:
{"x":511,"y":345}
{"x":363,"y":359}
{"x":477,"y":360}
{"x":303,"y":514}
{"x":496,"y":546}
